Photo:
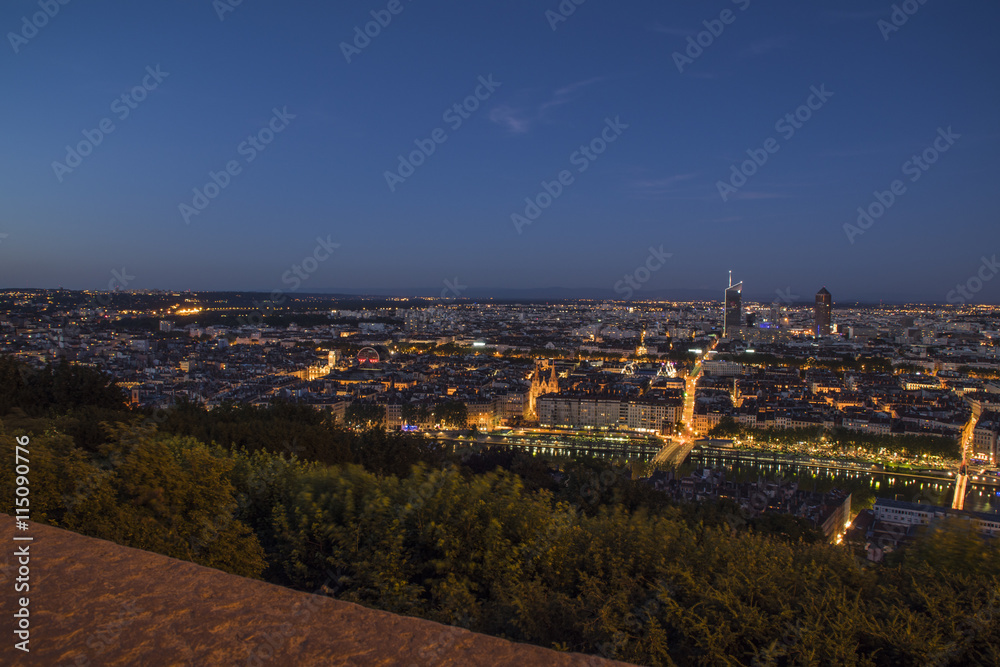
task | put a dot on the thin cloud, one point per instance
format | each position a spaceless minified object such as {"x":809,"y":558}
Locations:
{"x":573,"y":87}
{"x":518,"y":120}
{"x":511,"y":119}
{"x":663,"y":184}
{"x":676,"y":186}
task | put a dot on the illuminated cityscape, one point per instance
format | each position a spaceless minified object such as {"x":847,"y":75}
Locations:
{"x":395,"y":333}
{"x":574,"y":365}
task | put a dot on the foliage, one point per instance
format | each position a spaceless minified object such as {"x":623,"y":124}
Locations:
{"x":787,"y":526}
{"x":907,"y":445}
{"x":415,"y":413}
{"x":534,"y":472}
{"x":953,"y":545}
{"x":55,"y":389}
{"x":364,"y":415}
{"x":726,"y":428}
{"x":843,"y":363}
{"x":904,"y":444}
{"x":159,"y":493}
{"x":647,"y":587}
{"x":302,"y":432}
{"x":282,"y":427}
{"x":452,"y":413}
{"x":979,"y":372}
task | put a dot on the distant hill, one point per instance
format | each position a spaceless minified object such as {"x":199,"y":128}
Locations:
{"x":555,"y":293}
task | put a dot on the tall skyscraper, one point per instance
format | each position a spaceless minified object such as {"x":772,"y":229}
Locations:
{"x":823,"y":312}
{"x":734,"y":309}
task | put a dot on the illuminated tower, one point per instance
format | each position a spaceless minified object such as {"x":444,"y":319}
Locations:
{"x":822,"y":312}
{"x":734,"y":309}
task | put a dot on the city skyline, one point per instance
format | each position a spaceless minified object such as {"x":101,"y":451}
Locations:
{"x":782,"y":299}
{"x":534,"y":333}
{"x":696,"y":139}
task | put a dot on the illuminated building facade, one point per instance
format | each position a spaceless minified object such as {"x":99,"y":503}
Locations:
{"x":823,"y":312}
{"x":734,"y":309}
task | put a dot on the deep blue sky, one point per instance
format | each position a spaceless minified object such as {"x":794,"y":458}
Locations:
{"x":656,"y":185}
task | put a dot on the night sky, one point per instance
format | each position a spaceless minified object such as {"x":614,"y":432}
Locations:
{"x":548,"y":85}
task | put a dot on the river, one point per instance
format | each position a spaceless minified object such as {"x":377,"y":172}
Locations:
{"x":864,"y":486}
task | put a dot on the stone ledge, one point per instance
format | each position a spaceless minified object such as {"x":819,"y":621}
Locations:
{"x":93,"y":602}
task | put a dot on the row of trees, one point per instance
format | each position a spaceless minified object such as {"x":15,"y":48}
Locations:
{"x":55,"y":389}
{"x":846,"y":362}
{"x":843,"y":439}
{"x":454,"y":414}
{"x":984,"y":373}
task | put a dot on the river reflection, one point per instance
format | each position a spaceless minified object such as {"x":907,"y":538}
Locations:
{"x":864,"y":486}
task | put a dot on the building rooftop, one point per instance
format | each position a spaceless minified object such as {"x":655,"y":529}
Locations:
{"x":923,"y":507}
